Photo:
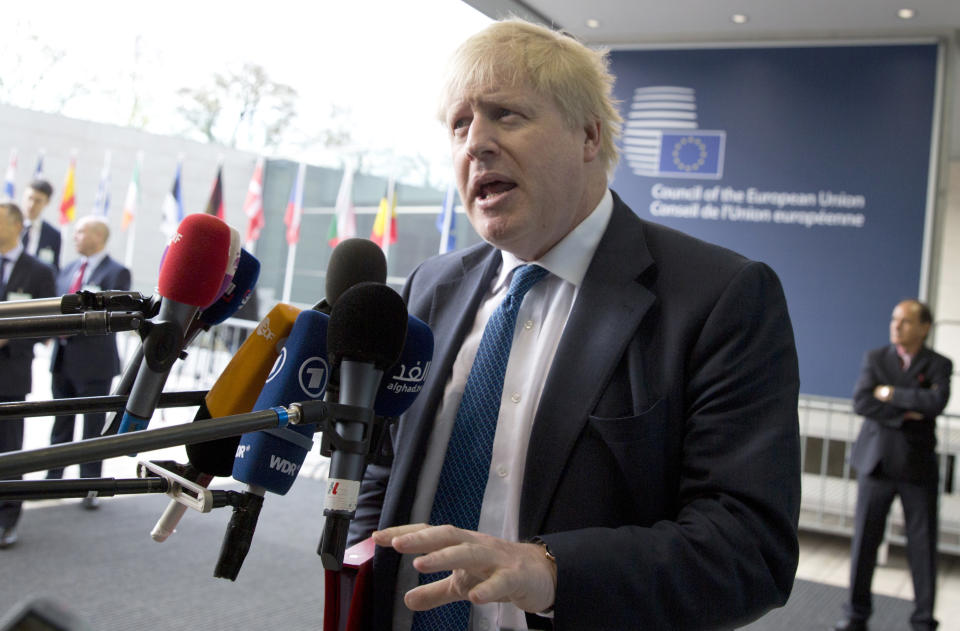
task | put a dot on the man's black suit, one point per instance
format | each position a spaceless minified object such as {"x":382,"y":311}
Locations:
{"x":663,"y":464}
{"x":84,"y":365}
{"x":48,"y":245}
{"x":897,"y":456}
{"x":29,"y":278}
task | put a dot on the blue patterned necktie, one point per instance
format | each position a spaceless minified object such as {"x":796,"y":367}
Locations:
{"x":466,"y":467}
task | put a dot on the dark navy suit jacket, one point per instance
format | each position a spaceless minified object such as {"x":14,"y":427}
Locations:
{"x":48,"y":246}
{"x":90,"y":357}
{"x":30,"y":279}
{"x":663,"y":465}
{"x":902,"y":449}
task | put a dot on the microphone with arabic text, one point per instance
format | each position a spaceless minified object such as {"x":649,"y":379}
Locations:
{"x":235,"y":392}
{"x":190,"y":277}
{"x":368,"y":326}
{"x":270,"y":460}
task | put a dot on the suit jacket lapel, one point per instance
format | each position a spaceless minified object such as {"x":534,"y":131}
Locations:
{"x":918,"y":367}
{"x":98,"y":272}
{"x":65,"y":277}
{"x":19,"y":276}
{"x":608,"y":309}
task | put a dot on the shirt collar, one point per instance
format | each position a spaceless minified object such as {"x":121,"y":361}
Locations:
{"x":14,"y":254}
{"x":571,"y":256}
{"x":94,"y":260}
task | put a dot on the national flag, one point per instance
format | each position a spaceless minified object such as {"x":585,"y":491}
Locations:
{"x":344,"y":222}
{"x":172,"y":206}
{"x":215,"y":203}
{"x":68,"y":205}
{"x":8,"y":181}
{"x":446,"y":221}
{"x":253,"y":204}
{"x":295,"y":207}
{"x":132,"y":200}
{"x":384,"y":230}
{"x":38,"y":170}
{"x":101,"y":204}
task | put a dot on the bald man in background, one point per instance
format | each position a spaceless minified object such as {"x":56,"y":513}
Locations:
{"x":84,"y":366}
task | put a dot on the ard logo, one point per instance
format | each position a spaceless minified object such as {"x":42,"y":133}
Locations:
{"x":313,"y":377}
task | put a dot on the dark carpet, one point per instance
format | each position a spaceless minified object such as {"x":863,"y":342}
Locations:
{"x":102,"y":567}
{"x":817,"y":607}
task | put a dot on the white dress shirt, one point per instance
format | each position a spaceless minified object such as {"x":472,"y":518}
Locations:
{"x":540,"y":322}
{"x":33,"y":229}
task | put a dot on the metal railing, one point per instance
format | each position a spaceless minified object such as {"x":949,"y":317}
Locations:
{"x":828,"y":428}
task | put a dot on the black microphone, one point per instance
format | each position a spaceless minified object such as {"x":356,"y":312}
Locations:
{"x":87,"y":323}
{"x":353,"y":261}
{"x":368,"y":325}
{"x":112,"y":300}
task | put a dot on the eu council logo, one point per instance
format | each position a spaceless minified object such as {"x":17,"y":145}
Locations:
{"x":661,"y":136}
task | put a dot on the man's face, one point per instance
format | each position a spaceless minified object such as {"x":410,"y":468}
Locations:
{"x":9,"y":230}
{"x":88,"y":238}
{"x":520,"y":168}
{"x":906,"y":330}
{"x":33,"y":203}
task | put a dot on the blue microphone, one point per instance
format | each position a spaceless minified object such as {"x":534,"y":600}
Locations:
{"x":402,"y":383}
{"x":270,"y":460}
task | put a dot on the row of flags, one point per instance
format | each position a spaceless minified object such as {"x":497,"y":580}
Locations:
{"x":343,"y":224}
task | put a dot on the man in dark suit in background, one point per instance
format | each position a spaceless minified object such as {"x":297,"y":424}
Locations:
{"x":902,"y":389}
{"x":40,"y":238}
{"x":22,"y":277}
{"x":84,"y":366}
{"x":640,"y":458}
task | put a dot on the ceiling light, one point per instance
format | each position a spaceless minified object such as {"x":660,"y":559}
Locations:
{"x":906,"y":14}
{"x":592,"y":23}
{"x":739,"y":18}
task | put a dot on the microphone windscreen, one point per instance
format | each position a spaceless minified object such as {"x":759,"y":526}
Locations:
{"x":239,"y":385}
{"x":196,"y":261}
{"x":404,"y":380}
{"x":233,"y":259}
{"x":368,"y":323}
{"x":237,"y":292}
{"x":301,"y":371}
{"x":272,"y":458}
{"x":354,"y":261}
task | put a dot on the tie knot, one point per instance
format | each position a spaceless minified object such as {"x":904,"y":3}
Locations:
{"x":525,"y":277}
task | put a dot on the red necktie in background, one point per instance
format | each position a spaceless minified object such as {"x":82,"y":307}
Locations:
{"x":78,"y":279}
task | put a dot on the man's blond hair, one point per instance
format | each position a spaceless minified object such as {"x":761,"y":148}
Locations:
{"x":516,"y":53}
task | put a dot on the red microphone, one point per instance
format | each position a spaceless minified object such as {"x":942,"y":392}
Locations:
{"x":191,"y":274}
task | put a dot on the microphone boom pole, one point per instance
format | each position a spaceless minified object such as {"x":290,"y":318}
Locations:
{"x":86,"y":405}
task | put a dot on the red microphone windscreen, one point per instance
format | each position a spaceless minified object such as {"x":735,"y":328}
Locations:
{"x":196,"y":260}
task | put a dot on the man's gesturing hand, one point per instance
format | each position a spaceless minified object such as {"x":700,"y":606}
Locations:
{"x":485,"y":569}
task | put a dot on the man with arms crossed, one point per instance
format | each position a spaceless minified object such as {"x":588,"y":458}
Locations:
{"x":639,"y":453}
{"x":902,"y":388}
